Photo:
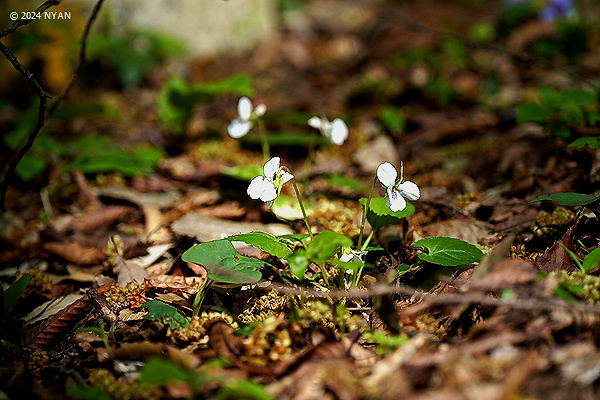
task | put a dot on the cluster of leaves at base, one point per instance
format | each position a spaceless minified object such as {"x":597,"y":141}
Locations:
{"x":177,"y":98}
{"x":90,"y":154}
{"x":131,"y":53}
{"x":557,"y":112}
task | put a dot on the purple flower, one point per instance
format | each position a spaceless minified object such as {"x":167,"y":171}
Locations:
{"x":557,"y":9}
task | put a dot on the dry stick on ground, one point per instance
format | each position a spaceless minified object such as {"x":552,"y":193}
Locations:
{"x":11,"y":165}
{"x":444,"y":299}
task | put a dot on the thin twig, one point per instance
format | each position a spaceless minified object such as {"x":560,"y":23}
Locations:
{"x":41,"y":120}
{"x":11,"y":165}
{"x":82,"y":57}
{"x":20,"y":22}
{"x":444,"y":299}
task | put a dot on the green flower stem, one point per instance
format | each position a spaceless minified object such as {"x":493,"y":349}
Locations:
{"x":364,"y":246}
{"x":200,"y":296}
{"x":365,"y":210}
{"x":263,"y":139}
{"x":324,"y":272}
{"x":302,"y":208}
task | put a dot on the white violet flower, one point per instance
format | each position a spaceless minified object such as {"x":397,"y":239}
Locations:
{"x":396,"y":189}
{"x":354,"y":256}
{"x":336,"y":131}
{"x":246,"y":117}
{"x":267,"y":187}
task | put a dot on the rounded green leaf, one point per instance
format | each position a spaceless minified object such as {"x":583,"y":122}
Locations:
{"x":449,"y":252}
{"x":224,"y":263}
{"x":380,"y":215}
{"x":568,"y":199}
{"x":264,"y":241}
{"x":325,"y":244}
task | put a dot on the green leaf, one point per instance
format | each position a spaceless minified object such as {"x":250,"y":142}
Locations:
{"x":549,"y":97}
{"x":264,"y":241}
{"x":592,"y":260}
{"x":12,"y":294}
{"x":568,"y":199}
{"x":392,"y":119}
{"x":380,"y":215}
{"x":294,"y":238}
{"x":298,"y":263}
{"x":344,"y":181}
{"x":243,"y":389}
{"x":532,"y":112}
{"x":243,"y":172}
{"x":158,"y":371}
{"x":107,"y":160}
{"x":157,"y":310}
{"x":87,"y":393}
{"x":178,"y":98}
{"x":589,"y":141}
{"x":449,"y":252}
{"x":212,"y":255}
{"x":325,"y":244}
{"x":578,"y":97}
{"x":347,"y":265}
{"x":30,"y":167}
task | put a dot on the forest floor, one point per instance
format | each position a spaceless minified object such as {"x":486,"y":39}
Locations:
{"x":482,"y":120}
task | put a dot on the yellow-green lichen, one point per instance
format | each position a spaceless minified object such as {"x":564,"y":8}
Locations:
{"x":590,"y":284}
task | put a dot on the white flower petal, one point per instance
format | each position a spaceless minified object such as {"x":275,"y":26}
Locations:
{"x":269,"y":194}
{"x":346,"y":257}
{"x":238,"y":128}
{"x":339,"y":131}
{"x":286,"y":177}
{"x":410,"y":190}
{"x":271,"y":167}
{"x":257,"y":187}
{"x":315,"y":122}
{"x":395,"y":201}
{"x":244,"y":108}
{"x":260,"y":110}
{"x":386,"y":173}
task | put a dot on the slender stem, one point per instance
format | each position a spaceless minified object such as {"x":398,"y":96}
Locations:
{"x":365,"y":209}
{"x":302,"y":208}
{"x":263,"y":139}
{"x":200,"y":296}
{"x":323,"y":272}
{"x":364,"y":246}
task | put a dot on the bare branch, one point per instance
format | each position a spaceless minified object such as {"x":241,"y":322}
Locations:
{"x":44,"y":96}
{"x":11,"y":165}
{"x":7,"y":31}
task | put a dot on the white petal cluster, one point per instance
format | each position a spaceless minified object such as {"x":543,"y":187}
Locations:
{"x":267,"y":187}
{"x":245,"y":119}
{"x":396,"y":189}
{"x":336,"y":131}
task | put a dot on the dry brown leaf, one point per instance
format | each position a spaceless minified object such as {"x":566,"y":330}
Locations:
{"x":470,"y":229}
{"x":75,"y":252}
{"x":98,"y":217}
{"x":556,"y":258}
{"x":205,"y":229}
{"x":507,"y":273}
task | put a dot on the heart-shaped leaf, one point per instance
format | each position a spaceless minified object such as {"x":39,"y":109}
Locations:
{"x":449,"y":252}
{"x":224,"y":263}
{"x":380,"y":215}
{"x":325,"y":244}
{"x":568,"y":199}
{"x":264,"y":241}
